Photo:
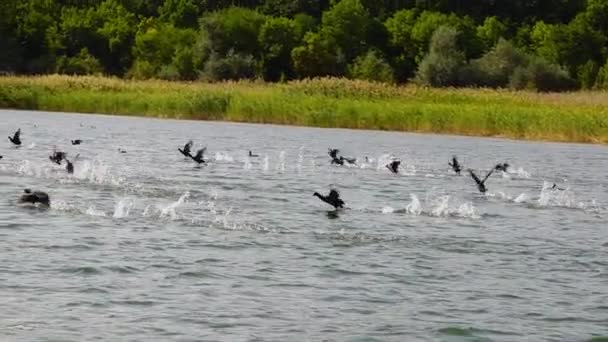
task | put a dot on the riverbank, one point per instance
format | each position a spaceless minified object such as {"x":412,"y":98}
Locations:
{"x":567,"y":117}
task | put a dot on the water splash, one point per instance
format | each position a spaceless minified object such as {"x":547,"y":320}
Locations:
{"x":122,"y":208}
{"x":300,"y":159}
{"x":220,"y":156}
{"x":281,"y":164}
{"x":440,"y":206}
{"x":92,"y":211}
{"x":388,"y":210}
{"x":246,"y":163}
{"x":265,"y":164}
{"x":169,"y":211}
{"x":521,"y":198}
{"x":414,"y":207}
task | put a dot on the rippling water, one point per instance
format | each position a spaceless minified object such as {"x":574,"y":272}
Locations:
{"x":146,"y":246}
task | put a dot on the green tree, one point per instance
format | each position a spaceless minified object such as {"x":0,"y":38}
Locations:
{"x":442,"y":65}
{"x":348,"y":25}
{"x":278,"y":36}
{"x":234,"y":29}
{"x":160,"y":45}
{"x":180,"y":13}
{"x":491,"y":31}
{"x":318,"y":56}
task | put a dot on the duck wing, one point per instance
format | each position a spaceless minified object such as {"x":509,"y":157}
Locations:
{"x":200,"y":153}
{"x":188,"y":146}
{"x":488,"y":175}
{"x":474,"y":176}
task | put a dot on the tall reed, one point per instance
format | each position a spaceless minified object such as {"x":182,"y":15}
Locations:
{"x":574,"y":117}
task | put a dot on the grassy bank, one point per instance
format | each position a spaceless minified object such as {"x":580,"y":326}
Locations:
{"x":576,"y":117}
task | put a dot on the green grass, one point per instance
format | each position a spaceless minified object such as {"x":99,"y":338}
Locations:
{"x":573,"y":117}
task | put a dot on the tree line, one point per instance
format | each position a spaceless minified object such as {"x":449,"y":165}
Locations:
{"x":548,"y":45}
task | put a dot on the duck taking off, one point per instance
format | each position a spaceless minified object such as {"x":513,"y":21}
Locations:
{"x":502,"y":167}
{"x":198,"y":158}
{"x":332,"y":199}
{"x":455,"y":165}
{"x":481,"y":184}
{"x":57,"y":157}
{"x":16,"y":138}
{"x":35,"y":197}
{"x":186,"y":150}
{"x":394,"y":166}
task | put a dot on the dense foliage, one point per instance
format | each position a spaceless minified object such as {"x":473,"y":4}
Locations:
{"x":533,"y":44}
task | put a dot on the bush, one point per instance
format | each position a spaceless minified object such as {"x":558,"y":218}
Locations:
{"x":587,"y":73}
{"x":542,"y":76}
{"x":495,"y":68}
{"x":601,"y":82}
{"x":232,"y":67}
{"x":371,"y":67}
{"x":82,"y":64}
{"x":441,"y":66}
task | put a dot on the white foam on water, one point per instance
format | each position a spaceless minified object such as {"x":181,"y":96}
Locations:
{"x":281,"y":163}
{"x":440,"y":206}
{"x":91,"y":211}
{"x":246,"y":163}
{"x":265,"y":164}
{"x":123,"y":207}
{"x":300,"y":159}
{"x":521,"y":198}
{"x":388,"y":210}
{"x":221,"y":156}
{"x":414,"y":207}
{"x":169,"y":211}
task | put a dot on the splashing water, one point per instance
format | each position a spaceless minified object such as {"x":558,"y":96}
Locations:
{"x":265,"y":164}
{"x":388,"y":210}
{"x":91,"y":211}
{"x":281,"y":164}
{"x":170,"y":209}
{"x":122,"y":208}
{"x":414,"y":207}
{"x":521,"y":198}
{"x":440,"y":206}
{"x":246,"y":163}
{"x":219,"y":156}
{"x":300,"y":158}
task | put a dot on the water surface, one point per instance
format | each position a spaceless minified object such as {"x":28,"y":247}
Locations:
{"x":144,"y":245}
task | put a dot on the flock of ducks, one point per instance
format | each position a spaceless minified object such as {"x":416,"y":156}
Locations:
{"x":333,"y":198}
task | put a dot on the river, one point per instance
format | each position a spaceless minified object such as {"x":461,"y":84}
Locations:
{"x":145,"y":245}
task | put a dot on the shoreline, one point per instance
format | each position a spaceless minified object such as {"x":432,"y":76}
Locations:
{"x":577,"y":117}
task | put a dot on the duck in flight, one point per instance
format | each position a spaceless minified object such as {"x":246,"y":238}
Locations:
{"x":76,"y":142}
{"x":252,"y":155}
{"x":455,"y":165}
{"x":481,"y":184}
{"x":186,"y":150}
{"x":502,"y":167}
{"x":198,"y":158}
{"x":394,"y":166}
{"x":16,"y":138}
{"x":332,"y":199}
{"x":35,"y":197}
